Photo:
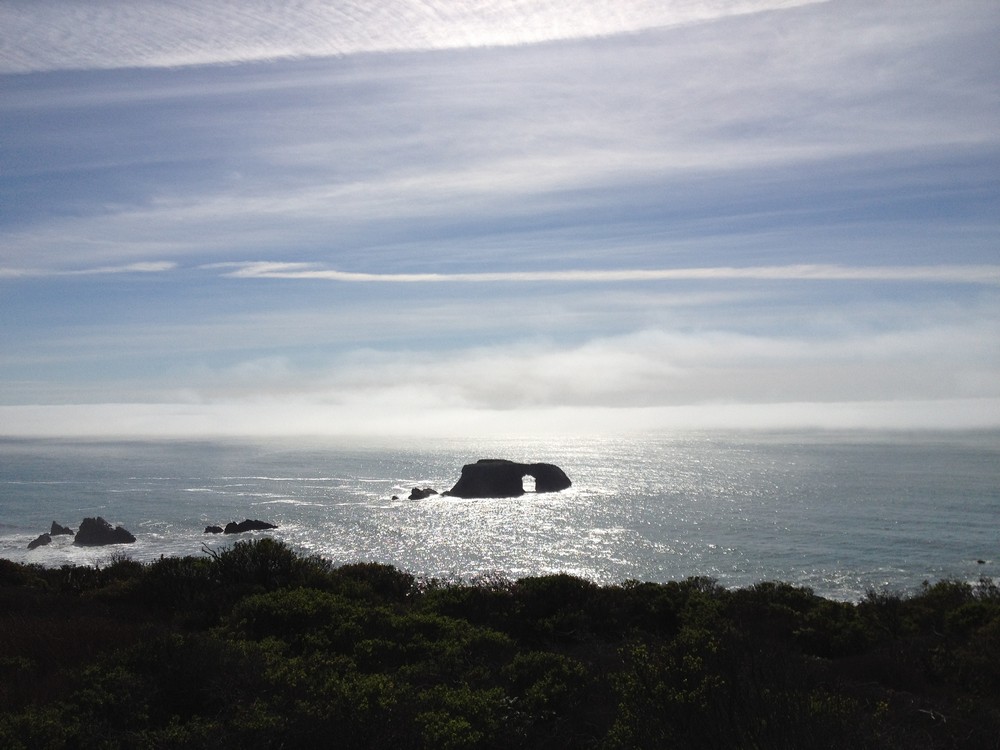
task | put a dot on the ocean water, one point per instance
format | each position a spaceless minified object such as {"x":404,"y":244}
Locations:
{"x":837,"y":512}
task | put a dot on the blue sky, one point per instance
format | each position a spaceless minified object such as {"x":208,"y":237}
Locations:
{"x":498,"y":217}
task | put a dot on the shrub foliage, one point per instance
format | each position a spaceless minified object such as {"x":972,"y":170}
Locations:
{"x":259,"y":647}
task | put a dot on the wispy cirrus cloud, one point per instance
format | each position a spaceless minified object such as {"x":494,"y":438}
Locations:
{"x":950,"y":274}
{"x":62,"y":34}
{"x":141,"y":267}
{"x":780,"y":209}
{"x":672,"y":132}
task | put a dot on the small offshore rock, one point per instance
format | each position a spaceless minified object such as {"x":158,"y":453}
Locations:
{"x":59,"y":530}
{"x":247,"y":525}
{"x":42,"y":540}
{"x":213,"y":529}
{"x":95,"y":532}
{"x":420,"y":494}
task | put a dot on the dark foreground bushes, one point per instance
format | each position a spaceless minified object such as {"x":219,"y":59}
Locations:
{"x":258,"y":647}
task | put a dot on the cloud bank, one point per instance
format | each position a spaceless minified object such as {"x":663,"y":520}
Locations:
{"x":933,"y":375}
{"x":268,"y":418}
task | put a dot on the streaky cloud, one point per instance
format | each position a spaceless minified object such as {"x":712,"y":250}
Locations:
{"x":956,"y":274}
{"x":63,"y":34}
{"x":143,"y":267}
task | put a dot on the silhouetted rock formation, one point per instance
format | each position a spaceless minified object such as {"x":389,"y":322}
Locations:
{"x":42,"y":540}
{"x":95,"y":532}
{"x":238,"y":528}
{"x":493,"y":477}
{"x":58,"y":530}
{"x":213,"y":529}
{"x":420,"y":494}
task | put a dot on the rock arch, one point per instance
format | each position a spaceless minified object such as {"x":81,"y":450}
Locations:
{"x":497,"y":477}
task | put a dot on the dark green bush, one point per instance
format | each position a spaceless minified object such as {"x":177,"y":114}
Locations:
{"x":374,"y":581}
{"x":555,"y":607}
{"x":307,"y":620}
{"x":258,"y":564}
{"x":178,"y":583}
{"x":257,"y":647}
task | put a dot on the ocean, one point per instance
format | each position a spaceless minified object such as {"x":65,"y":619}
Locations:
{"x":838,"y":512}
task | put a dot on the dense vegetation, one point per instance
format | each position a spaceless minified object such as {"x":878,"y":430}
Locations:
{"x":259,"y":647}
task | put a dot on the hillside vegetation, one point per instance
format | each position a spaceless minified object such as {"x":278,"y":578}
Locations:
{"x":259,"y":647}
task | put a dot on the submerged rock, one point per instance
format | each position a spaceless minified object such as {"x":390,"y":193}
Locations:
{"x":420,"y":494}
{"x":247,"y":525}
{"x":59,"y":530}
{"x":494,"y":477}
{"x":95,"y":532}
{"x":42,"y":540}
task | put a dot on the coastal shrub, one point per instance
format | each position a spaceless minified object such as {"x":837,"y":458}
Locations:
{"x":256,"y":564}
{"x":178,"y":583}
{"x":779,"y":607}
{"x":13,"y":574}
{"x":715,"y":690}
{"x":636,"y":606}
{"x":259,"y":647}
{"x":152,"y":689}
{"x":338,"y":709}
{"x":460,"y":717}
{"x":74,"y":578}
{"x":45,"y":635}
{"x":442,"y":729}
{"x":307,"y":620}
{"x":794,"y":614}
{"x":970,"y":617}
{"x":425,"y":648}
{"x":978,"y":663}
{"x":986,"y":590}
{"x":374,"y":581}
{"x":884,"y":615}
{"x":491,"y":605}
{"x":120,"y":567}
{"x":35,"y":727}
{"x":655,"y":710}
{"x":555,"y":606}
{"x":831,"y":629}
{"x":552,"y":702}
{"x":928,"y":610}
{"x":187,"y":675}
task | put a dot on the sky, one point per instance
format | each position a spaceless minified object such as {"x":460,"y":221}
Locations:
{"x":498,"y":217}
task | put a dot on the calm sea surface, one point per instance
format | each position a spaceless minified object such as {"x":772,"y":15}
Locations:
{"x":837,"y":512}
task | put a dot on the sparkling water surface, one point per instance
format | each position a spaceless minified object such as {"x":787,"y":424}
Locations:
{"x":837,"y":512}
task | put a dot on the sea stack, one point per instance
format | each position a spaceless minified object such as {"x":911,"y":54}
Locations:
{"x":96,"y":532}
{"x":247,"y":525}
{"x":40,"y":541}
{"x":497,"y":477}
